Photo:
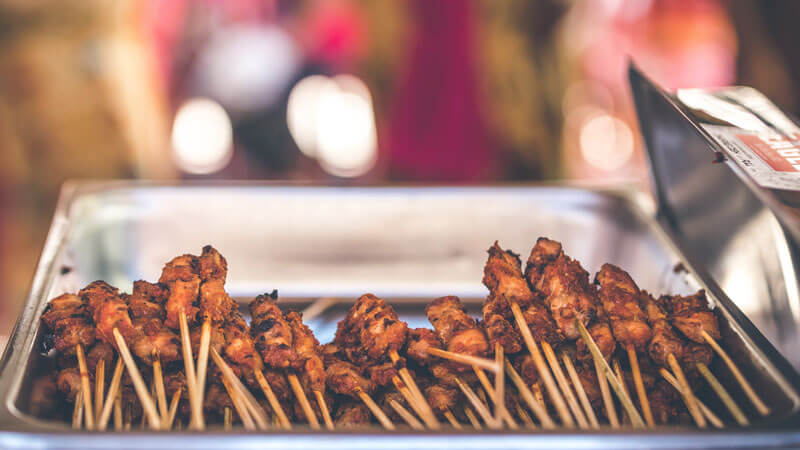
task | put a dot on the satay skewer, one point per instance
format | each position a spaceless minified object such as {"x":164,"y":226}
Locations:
{"x":715,"y":421}
{"x":99,"y":385}
{"x":118,"y":413}
{"x":452,"y":419}
{"x":539,"y":410}
{"x":85,"y":387}
{"x":272,"y":399}
{"x":158,"y":382}
{"x":473,"y":420}
{"x":407,"y":416}
{"x":427,"y":413}
{"x":544,"y":371}
{"x":688,"y":395}
{"x":550,"y":355}
{"x":323,"y":407}
{"x":483,"y":363}
{"x":723,"y":394}
{"x":623,"y":383}
{"x":77,"y":411}
{"x":173,"y":408}
{"x":411,"y":398}
{"x":639,"y":384}
{"x":112,"y":396}
{"x":636,"y":419}
{"x":239,"y":404}
{"x":247,"y":398}
{"x":375,"y":409}
{"x":487,"y":386}
{"x":195,"y":405}
{"x":300,"y":394}
{"x":476,"y":402}
{"x":501,"y":412}
{"x":148,"y":405}
{"x":608,"y":402}
{"x":762,"y":408}
{"x":576,"y":382}
{"x":202,"y":358}
{"x":226,"y":419}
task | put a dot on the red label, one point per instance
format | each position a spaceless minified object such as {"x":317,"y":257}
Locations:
{"x":782,"y":153}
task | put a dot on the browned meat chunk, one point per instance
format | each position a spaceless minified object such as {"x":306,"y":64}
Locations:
{"x":271,"y":333}
{"x":620,"y":298}
{"x":691,"y":315}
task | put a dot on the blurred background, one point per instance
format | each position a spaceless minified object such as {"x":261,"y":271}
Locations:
{"x":349,"y":92}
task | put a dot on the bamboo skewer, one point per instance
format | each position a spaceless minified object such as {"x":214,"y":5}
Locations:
{"x":483,"y":411}
{"x":427,"y":413}
{"x":226,"y":420}
{"x":723,"y":395}
{"x":376,"y":410}
{"x":487,"y":386}
{"x":472,"y":419}
{"x":99,"y":387}
{"x":748,"y":390}
{"x":202,"y":360}
{"x":272,"y":399}
{"x":112,"y":396}
{"x":469,"y":360}
{"x":618,"y":371}
{"x":715,"y":421}
{"x":138,"y":383}
{"x":407,"y":416}
{"x":323,"y":407}
{"x":636,"y":419}
{"x":300,"y":394}
{"x":118,"y":413}
{"x":248,"y":401}
{"x":452,"y":419}
{"x":639,"y":384}
{"x":539,"y":410}
{"x":536,"y":389}
{"x":238,"y":403}
{"x":526,"y":418}
{"x":688,"y":395}
{"x":544,"y":372}
{"x":86,"y":387}
{"x":576,"y":382}
{"x":611,"y":410}
{"x":412,"y":399}
{"x":196,"y":407}
{"x":550,"y":355}
{"x":77,"y":412}
{"x":318,"y":307}
{"x":173,"y":407}
{"x":158,"y":381}
{"x":501,"y":412}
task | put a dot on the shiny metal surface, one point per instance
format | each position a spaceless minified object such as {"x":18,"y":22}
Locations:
{"x":407,"y":245}
{"x":723,"y":220}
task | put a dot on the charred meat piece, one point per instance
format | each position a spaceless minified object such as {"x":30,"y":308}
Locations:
{"x":352,"y":414}
{"x":382,"y":374}
{"x":163,"y":345}
{"x":441,"y":398}
{"x":524,"y":365}
{"x":346,"y":379}
{"x":312,"y":368}
{"x":384,"y":400}
{"x":664,"y":341}
{"x":147,"y":300}
{"x":271,"y":333}
{"x":565,"y":286}
{"x":110,"y":311}
{"x":543,"y":253}
{"x":541,"y":324}
{"x":215,"y":303}
{"x":694,"y":353}
{"x":100,"y":351}
{"x":588,"y":377}
{"x":458,"y":330}
{"x":69,"y":382}
{"x":239,"y":348}
{"x":370,"y":331}
{"x":620,"y":297}
{"x":67,"y":318}
{"x":502,"y":275}
{"x":691,"y":315}
{"x":499,"y":331}
{"x":212,"y":265}
{"x":217,"y":399}
{"x":180,"y":275}
{"x":418,"y":342}
{"x":216,"y":338}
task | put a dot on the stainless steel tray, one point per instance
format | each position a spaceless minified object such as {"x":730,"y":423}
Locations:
{"x":407,"y":244}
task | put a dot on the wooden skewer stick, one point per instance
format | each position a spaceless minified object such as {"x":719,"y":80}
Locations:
{"x":126,"y":418}
{"x":501,"y":412}
{"x":248,"y":401}
{"x":636,"y":419}
{"x":118,"y":413}
{"x":86,"y":388}
{"x":323,"y":407}
{"x":526,"y":418}
{"x":452,"y":419}
{"x":300,"y":394}
{"x":639,"y":384}
{"x":539,"y":410}
{"x":427,"y":413}
{"x":99,"y":387}
{"x":544,"y":372}
{"x":77,"y":412}
{"x":469,"y":360}
{"x":196,"y":406}
{"x":112,"y":396}
{"x":138,"y":383}
{"x":536,"y":389}
{"x":487,"y":386}
{"x":226,"y":420}
{"x":472,"y":419}
{"x":623,"y":383}
{"x":576,"y":382}
{"x":611,"y":409}
{"x":483,"y":411}
{"x":723,"y":395}
{"x":202,"y":359}
{"x":688,"y":395}
{"x":173,"y":407}
{"x":238,"y":403}
{"x":376,"y":410}
{"x":318,"y":307}
{"x":748,"y":390}
{"x":161,"y":395}
{"x":715,"y":421}
{"x":407,"y":416}
{"x":564,"y":385}
{"x":272,"y":399}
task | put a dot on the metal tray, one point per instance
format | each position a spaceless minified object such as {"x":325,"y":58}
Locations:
{"x":407,"y":245}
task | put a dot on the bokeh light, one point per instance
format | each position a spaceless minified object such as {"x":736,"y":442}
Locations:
{"x":202,"y":137}
{"x":606,"y":142}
